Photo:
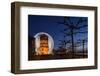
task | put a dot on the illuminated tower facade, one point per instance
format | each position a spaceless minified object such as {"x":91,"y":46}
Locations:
{"x":44,"y":46}
{"x":43,"y":43}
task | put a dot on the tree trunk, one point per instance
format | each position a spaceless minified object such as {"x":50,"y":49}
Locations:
{"x":83,"y":48}
{"x":72,"y":38}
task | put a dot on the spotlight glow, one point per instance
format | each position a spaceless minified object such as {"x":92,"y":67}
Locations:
{"x":37,"y":42}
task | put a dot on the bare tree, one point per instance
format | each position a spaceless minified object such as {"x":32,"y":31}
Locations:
{"x":82,"y":42}
{"x":72,"y":29}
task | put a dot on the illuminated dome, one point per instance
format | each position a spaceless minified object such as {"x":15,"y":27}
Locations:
{"x":44,"y":43}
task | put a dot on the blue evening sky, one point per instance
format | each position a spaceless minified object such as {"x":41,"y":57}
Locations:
{"x":49,"y":24}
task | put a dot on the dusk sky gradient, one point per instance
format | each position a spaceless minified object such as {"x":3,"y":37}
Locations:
{"x":49,"y":24}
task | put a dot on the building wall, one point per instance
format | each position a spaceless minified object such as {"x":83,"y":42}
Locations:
{"x":44,"y":47}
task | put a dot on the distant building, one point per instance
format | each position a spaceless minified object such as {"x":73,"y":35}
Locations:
{"x":59,"y":51}
{"x":31,"y":47}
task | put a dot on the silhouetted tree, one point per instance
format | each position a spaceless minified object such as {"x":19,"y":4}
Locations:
{"x":82,"y":42}
{"x":72,"y":28}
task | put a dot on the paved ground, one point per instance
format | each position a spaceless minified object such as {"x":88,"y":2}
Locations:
{"x":60,"y":56}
